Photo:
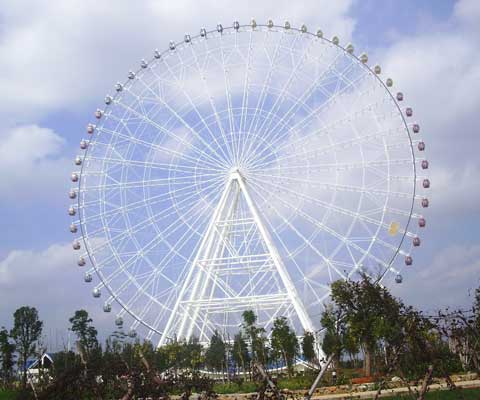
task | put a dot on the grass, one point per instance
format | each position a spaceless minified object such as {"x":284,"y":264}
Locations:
{"x":7,"y":395}
{"x":294,"y":383}
{"x":459,"y":394}
{"x":247,"y":387}
{"x":232,"y":387}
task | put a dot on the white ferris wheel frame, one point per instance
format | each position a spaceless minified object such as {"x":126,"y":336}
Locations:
{"x":208,"y":246}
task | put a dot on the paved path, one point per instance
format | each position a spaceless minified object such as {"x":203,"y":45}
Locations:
{"x":390,"y":392}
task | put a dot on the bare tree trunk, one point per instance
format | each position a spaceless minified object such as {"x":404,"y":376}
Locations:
{"x":155,"y":377}
{"x":451,"y":385}
{"x":368,"y":362}
{"x":30,"y":380}
{"x":426,"y":380}
{"x":318,"y":378}
{"x":129,"y":394}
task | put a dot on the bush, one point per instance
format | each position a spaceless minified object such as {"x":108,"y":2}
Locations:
{"x":299,"y":382}
{"x":234,"y":387}
{"x":7,"y":395}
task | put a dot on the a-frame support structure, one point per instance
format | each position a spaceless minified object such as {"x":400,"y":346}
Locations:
{"x":237,"y":267}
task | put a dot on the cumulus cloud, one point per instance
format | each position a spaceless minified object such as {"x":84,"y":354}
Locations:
{"x":57,"y":56}
{"x":32,"y":163}
{"x":448,"y":279}
{"x":48,"y":280}
{"x":438,"y":71}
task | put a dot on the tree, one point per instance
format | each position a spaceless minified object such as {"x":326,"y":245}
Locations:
{"x":284,"y":342}
{"x":308,"y":347}
{"x":7,"y":350}
{"x":215,"y":353}
{"x":335,"y":331}
{"x":256,"y":336}
{"x":26,"y":332}
{"x":370,"y":314}
{"x":192,"y":354}
{"x":85,"y":331}
{"x":240,"y":352}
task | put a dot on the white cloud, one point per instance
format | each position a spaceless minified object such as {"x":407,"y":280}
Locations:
{"x":32,"y":164}
{"x":468,"y":11}
{"x":48,"y":280}
{"x":447,"y":280}
{"x":438,"y":72}
{"x":56,"y":56}
{"x":456,"y":190}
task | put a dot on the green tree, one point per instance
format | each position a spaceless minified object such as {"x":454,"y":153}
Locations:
{"x":240,"y":354}
{"x":85,"y":331}
{"x":26,"y":332}
{"x":192,"y":354}
{"x":215,"y":353}
{"x":335,"y":331}
{"x":256,"y":336}
{"x":308,"y":347}
{"x":369,"y":312}
{"x":475,"y":331}
{"x":284,"y":342}
{"x":7,"y":350}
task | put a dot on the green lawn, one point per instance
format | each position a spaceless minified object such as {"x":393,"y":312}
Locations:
{"x":459,"y":394}
{"x":7,"y":395}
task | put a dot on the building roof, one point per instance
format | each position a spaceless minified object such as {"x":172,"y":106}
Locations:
{"x":33,"y":362}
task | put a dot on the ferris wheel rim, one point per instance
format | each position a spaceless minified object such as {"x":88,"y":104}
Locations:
{"x":116,"y":298}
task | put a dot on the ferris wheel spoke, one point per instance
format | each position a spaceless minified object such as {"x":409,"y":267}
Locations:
{"x":325,"y":129}
{"x":131,"y":280}
{"x":317,"y":133}
{"x":143,"y":251}
{"x":180,"y":243}
{"x":346,"y":144}
{"x":245,"y":97}
{"x":284,"y":246}
{"x":309,"y":218}
{"x":310,"y":90}
{"x":338,"y":166}
{"x":141,"y":289}
{"x":341,"y":188}
{"x":288,"y":223}
{"x":135,"y":228}
{"x":228,"y":98}
{"x":162,"y":149}
{"x":246,"y":133}
{"x":332,"y":98}
{"x":153,"y":200}
{"x":138,"y":184}
{"x":317,"y":84}
{"x":175,"y":226}
{"x":292,"y":76}
{"x":266,"y":82}
{"x":181,"y":86}
{"x":150,"y":165}
{"x":329,"y":230}
{"x":328,"y":206}
{"x":213,"y":106}
{"x":122,"y":288}
{"x":188,"y":145}
{"x":222,"y":156}
{"x":162,"y":214}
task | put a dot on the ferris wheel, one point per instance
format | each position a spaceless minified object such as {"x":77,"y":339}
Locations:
{"x":247,"y":167}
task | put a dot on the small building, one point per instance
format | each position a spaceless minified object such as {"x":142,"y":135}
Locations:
{"x":38,"y":366}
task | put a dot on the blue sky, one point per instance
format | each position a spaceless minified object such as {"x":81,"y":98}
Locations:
{"x":59,"y":59}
